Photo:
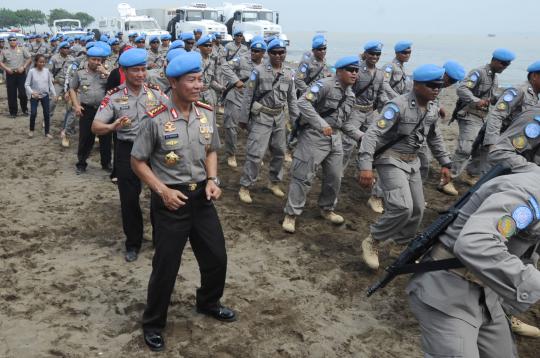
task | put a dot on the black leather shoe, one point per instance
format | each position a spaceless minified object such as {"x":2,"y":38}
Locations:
{"x":219,"y":312}
{"x":131,"y":255}
{"x":154,"y":341}
{"x":80,"y":170}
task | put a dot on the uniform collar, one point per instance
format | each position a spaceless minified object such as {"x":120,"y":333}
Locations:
{"x":489,"y":71}
{"x":413,"y":102}
{"x":397,"y":62}
{"x":126,"y":92}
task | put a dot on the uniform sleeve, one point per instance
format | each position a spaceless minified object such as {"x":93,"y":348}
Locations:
{"x":249,"y":92}
{"x":26,"y":54}
{"x":465,"y":87}
{"x":292,"y":102}
{"x":228,"y":71}
{"x":481,"y":248}
{"x":388,"y":90}
{"x":74,"y":81}
{"x":498,"y":114}
{"x":306,"y":106}
{"x":299,"y":78}
{"x":215,"y":144}
{"x":436,"y":143}
{"x":145,"y":140}
{"x":349,"y":126}
{"x":105,"y":112}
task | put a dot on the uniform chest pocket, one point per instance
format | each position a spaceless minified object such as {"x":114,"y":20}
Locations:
{"x":332,"y":101}
{"x":406,"y":125}
{"x":172,"y":142}
{"x":284,"y":87}
{"x":205,"y":134}
{"x":265,"y":85}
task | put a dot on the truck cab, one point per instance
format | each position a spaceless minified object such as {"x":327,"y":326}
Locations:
{"x":200,"y":16}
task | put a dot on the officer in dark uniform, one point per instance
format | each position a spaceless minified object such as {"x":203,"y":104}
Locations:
{"x":121,"y":111}
{"x":175,"y":154}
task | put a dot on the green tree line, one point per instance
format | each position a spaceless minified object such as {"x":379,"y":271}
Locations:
{"x":28,"y":17}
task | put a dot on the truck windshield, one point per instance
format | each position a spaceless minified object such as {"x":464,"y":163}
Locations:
{"x":257,"y":15}
{"x":142,"y":25}
{"x":198,"y":15}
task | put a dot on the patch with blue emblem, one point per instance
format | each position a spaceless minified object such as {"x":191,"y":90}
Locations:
{"x":537,"y":118}
{"x":390,"y":111}
{"x":303,"y":68}
{"x":508,"y":97}
{"x":253,"y":76}
{"x":506,"y":226}
{"x":314,"y":89}
{"x":523,"y":216}
{"x":534,"y":204}
{"x":171,"y":136}
{"x":388,"y":69}
{"x":532,"y":130}
{"x":474,"y":77}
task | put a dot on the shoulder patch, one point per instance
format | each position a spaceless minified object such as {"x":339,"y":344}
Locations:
{"x":506,"y":226}
{"x":254,"y":75}
{"x":204,"y":105}
{"x":315,"y":88}
{"x":509,"y":95}
{"x":532,"y":130}
{"x":390,"y":111}
{"x":474,"y":76}
{"x":304,"y":67}
{"x":113,"y":90}
{"x":388,"y":69}
{"x":523,"y":216}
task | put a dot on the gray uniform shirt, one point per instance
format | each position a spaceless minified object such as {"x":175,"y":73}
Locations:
{"x":176,"y":147}
{"x":155,"y":57}
{"x":42,"y":48}
{"x":58,"y":65}
{"x":232,"y":51}
{"x":14,"y":58}
{"x":503,"y":211}
{"x":90,"y":85}
{"x":369,"y":86}
{"x":513,"y":101}
{"x":480,"y":83}
{"x":400,"y":117}
{"x":309,"y":71}
{"x":396,"y":81}
{"x":157,"y":77}
{"x":121,"y":102}
{"x":239,"y":68}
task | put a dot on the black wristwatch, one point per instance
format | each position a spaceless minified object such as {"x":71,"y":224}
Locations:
{"x":215,"y":180}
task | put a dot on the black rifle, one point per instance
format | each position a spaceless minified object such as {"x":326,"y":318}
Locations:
{"x":479,"y":138}
{"x":230,"y":87}
{"x":405,"y":263}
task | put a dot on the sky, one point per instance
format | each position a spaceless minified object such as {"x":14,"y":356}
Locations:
{"x":357,"y":16}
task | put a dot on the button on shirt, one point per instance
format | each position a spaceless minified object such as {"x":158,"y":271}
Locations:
{"x":91,"y":86}
{"x":175,"y":147}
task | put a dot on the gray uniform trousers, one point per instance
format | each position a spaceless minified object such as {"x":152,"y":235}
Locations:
{"x":314,"y":150}
{"x":424,"y":154}
{"x":469,"y":127}
{"x":361,"y":120}
{"x":52,"y":100}
{"x":230,"y":121}
{"x":492,"y":339}
{"x":403,"y":202}
{"x":266,"y":131}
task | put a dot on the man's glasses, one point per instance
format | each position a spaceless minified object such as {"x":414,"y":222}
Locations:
{"x":352,"y":69}
{"x":320,"y":49}
{"x":277,"y":53}
{"x":434,"y":84}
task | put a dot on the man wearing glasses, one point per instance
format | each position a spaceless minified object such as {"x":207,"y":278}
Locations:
{"x":210,"y":84}
{"x":312,"y":68}
{"x":236,"y":48}
{"x":15,"y":60}
{"x":269,"y":89}
{"x":475,"y":93}
{"x":396,"y":81}
{"x":189,"y":40}
{"x":155,"y":57}
{"x":391,"y":145}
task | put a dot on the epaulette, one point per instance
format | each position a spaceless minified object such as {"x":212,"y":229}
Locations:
{"x":113,"y":91}
{"x":204,"y":105}
{"x":153,"y":86}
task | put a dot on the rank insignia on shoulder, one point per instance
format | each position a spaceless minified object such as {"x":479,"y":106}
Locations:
{"x":156,"y":110}
{"x":113,"y":90}
{"x":104,"y":102}
{"x":310,"y":96}
{"x":469,"y":84}
{"x":532,"y":130}
{"x":204,"y":105}
{"x":519,"y":142}
{"x":523,"y":216}
{"x":506,"y":226}
{"x":254,"y":75}
{"x":502,"y":106}
{"x":381,"y":123}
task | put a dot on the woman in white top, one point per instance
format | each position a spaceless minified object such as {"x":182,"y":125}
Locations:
{"x":39,"y":87}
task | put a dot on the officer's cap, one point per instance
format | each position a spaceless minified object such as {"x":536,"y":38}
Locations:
{"x":373,"y":46}
{"x":204,"y":40}
{"x":187,"y":36}
{"x":70,"y":39}
{"x":318,"y":41}
{"x":166,"y":37}
{"x":217,"y":36}
{"x":276,"y":43}
{"x":503,"y":54}
{"x":96,"y":51}
{"x":189,"y":62}
{"x":154,"y":39}
{"x":198,"y":31}
{"x":173,"y":53}
{"x":12,"y":37}
{"x":119,"y":33}
{"x":90,"y":38}
{"x":63,"y":44}
{"x":114,"y":41}
{"x":257,"y":38}
{"x":104,"y":38}
{"x":347,"y":62}
{"x":402,"y":46}
{"x":534,"y":67}
{"x":427,"y":73}
{"x":133,"y":57}
{"x":90,"y":44}
{"x":104,"y":46}
{"x":44,"y":36}
{"x":454,"y":70}
{"x":177,"y":44}
{"x":237,"y":31}
{"x":258,"y":45}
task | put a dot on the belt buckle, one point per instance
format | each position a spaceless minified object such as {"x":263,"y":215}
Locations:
{"x":192,"y":186}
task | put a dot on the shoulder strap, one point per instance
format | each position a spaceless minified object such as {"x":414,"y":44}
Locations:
{"x":360,"y":92}
{"x":309,"y":80}
{"x":333,"y":110}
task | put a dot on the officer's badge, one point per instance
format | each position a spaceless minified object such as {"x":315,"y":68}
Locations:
{"x":519,"y":142}
{"x":171,"y":159}
{"x":171,"y":142}
{"x":523,"y":216}
{"x":203,"y":119}
{"x":469,"y":84}
{"x":300,"y":76}
{"x":506,"y":226}
{"x":204,"y":129}
{"x":161,"y":74}
{"x":85,"y":88}
{"x":508,"y":97}
{"x":207,"y":136}
{"x":381,"y":123}
{"x":169,"y":127}
{"x":502,"y":106}
{"x":126,"y":122}
{"x":532,"y":130}
{"x":310,"y":96}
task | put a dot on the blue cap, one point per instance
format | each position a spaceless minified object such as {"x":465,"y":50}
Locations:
{"x":276,"y":43}
{"x":104,"y":38}
{"x":259,"y":45}
{"x":503,"y":54}
{"x":90,"y":38}
{"x":96,"y":51}
{"x":454,"y":70}
{"x":257,"y":38}
{"x":198,"y":30}
{"x":373,"y":46}
{"x":318,"y":41}
{"x":154,"y":38}
{"x":133,"y":57}
{"x":70,"y":39}
{"x":114,"y":41}
{"x":237,"y":31}
{"x":173,"y":53}
{"x":104,"y":46}
{"x":534,"y":67}
{"x":54,"y":38}
{"x":204,"y":39}
{"x":189,"y":62}
{"x":402,"y":46}
{"x":90,"y":44}
{"x":217,"y":36}
{"x":166,"y":37}
{"x":347,"y":61}
{"x":11,"y":37}
{"x":133,"y":34}
{"x":186,"y":36}
{"x":270,"y":39}
{"x":177,"y":44}
{"x":140,"y":39}
{"x":119,"y":33}
{"x":429,"y":72}
{"x":63,"y":44}
{"x":44,"y":36}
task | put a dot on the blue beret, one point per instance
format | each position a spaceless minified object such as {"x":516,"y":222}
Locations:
{"x":173,"y":53}
{"x":217,"y":35}
{"x":44,"y":36}
{"x":54,"y":38}
{"x":114,"y":41}
{"x":96,"y":51}
{"x":104,"y":38}
{"x":90,"y":38}
{"x":166,"y":37}
{"x":429,"y":72}
{"x":237,"y":31}
{"x":257,"y":38}
{"x":177,"y":44}
{"x":276,"y":43}
{"x":402,"y":46}
{"x":154,"y":38}
{"x":503,"y":54}
{"x":186,"y":36}
{"x":70,"y":39}
{"x":204,"y":39}
{"x":375,"y":46}
{"x":104,"y":46}
{"x":133,"y":57}
{"x":119,"y":33}
{"x":189,"y":62}
{"x":534,"y":67}
{"x":76,"y":37}
{"x":63,"y":44}
{"x":12,"y":37}
{"x":270,"y":39}
{"x":133,"y":34}
{"x":198,"y":30}
{"x":454,"y":70}
{"x":140,"y":39}
{"x":259,"y":45}
{"x":347,"y":61}
{"x":90,"y":45}
{"x":318,"y":41}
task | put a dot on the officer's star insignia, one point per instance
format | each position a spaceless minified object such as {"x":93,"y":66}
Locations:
{"x":171,"y":158}
{"x":502,"y":106}
{"x":519,"y":142}
{"x":381,"y":123}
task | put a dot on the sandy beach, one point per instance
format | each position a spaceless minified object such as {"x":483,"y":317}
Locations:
{"x":66,"y":291}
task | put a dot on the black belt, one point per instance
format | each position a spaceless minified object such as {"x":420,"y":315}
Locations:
{"x":124,"y":141}
{"x":89,"y":105}
{"x":188,"y":187}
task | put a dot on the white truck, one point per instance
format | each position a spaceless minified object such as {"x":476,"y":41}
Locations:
{"x":129,"y":21}
{"x":252,"y":19}
{"x":67,"y":27}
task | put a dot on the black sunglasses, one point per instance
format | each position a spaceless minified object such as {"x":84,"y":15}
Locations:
{"x":190,"y":42}
{"x":12,"y":40}
{"x":434,"y":84}
{"x":256,"y":50}
{"x":207,"y":45}
{"x":451,"y":80}
{"x":352,"y":69}
{"x":408,"y":52}
{"x":276,"y":53}
{"x":154,"y":42}
{"x":320,"y":49}
{"x":238,"y":35}
{"x":373,"y":53}
{"x":504,"y":63}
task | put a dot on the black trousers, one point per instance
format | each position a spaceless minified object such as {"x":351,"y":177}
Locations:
{"x":87,"y":138}
{"x":129,"y":187}
{"x":14,"y":85}
{"x":197,"y":221}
